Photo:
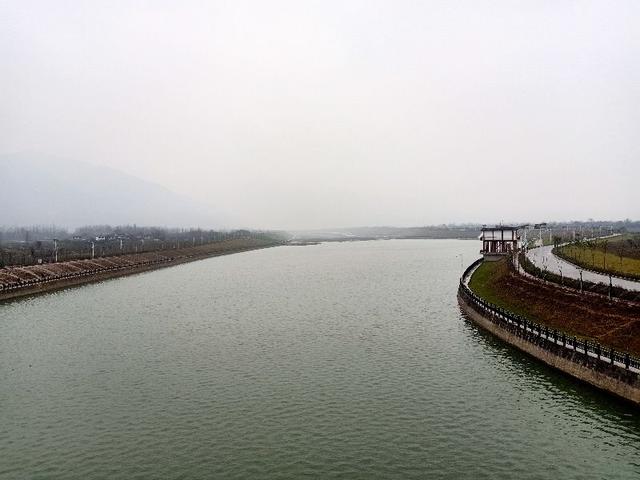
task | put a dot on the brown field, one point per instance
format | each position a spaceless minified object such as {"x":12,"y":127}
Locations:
{"x":613,"y":324}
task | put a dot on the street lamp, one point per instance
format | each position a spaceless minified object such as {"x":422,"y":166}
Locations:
{"x":580,"y":280}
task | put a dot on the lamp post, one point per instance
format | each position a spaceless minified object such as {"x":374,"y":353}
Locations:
{"x":610,"y":287}
{"x":580,"y":281}
{"x":560,"y":270}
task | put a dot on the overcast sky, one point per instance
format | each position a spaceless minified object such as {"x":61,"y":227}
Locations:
{"x":301,"y":114}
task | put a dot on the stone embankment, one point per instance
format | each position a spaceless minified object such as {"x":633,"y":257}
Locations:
{"x":34,"y":279}
{"x":606,"y":369}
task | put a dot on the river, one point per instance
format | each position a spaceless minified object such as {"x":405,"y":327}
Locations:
{"x":338,"y":360}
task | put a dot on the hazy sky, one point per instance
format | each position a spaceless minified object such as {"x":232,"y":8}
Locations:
{"x":299,"y":114}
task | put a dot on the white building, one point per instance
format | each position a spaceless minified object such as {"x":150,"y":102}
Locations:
{"x":499,"y":241}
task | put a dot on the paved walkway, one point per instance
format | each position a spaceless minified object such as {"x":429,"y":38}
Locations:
{"x":543,"y":257}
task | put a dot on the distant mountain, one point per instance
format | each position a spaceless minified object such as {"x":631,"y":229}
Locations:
{"x":44,"y":190}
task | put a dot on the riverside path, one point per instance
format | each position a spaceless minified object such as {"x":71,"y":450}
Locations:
{"x":544,"y":258}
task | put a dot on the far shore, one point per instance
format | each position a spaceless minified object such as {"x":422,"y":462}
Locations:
{"x":40,"y":279}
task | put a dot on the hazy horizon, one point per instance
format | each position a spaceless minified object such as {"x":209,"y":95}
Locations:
{"x":315,"y":115}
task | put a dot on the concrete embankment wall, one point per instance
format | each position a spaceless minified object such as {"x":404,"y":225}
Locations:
{"x":610,"y":378}
{"x":50,"y":285}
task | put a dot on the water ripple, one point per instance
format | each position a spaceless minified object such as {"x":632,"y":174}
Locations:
{"x":332,"y":361}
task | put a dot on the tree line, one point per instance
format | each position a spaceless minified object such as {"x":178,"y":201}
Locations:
{"x":47,"y":244}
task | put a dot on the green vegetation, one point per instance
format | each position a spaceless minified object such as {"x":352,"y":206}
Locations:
{"x":483,"y":283}
{"x":617,"y":256}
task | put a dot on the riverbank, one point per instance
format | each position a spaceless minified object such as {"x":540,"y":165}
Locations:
{"x":612,"y":323}
{"x":599,"y":371}
{"x":16,"y":282}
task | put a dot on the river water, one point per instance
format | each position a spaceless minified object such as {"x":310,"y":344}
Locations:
{"x":339,"y":360}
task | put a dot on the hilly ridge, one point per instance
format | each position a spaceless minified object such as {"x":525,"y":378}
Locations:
{"x":36,"y":189}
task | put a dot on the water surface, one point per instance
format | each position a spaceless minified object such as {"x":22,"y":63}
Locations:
{"x":340,"y":360}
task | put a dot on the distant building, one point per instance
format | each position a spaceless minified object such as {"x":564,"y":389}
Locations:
{"x":498,"y":241}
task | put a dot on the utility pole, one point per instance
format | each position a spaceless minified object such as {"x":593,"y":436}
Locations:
{"x":55,"y":250}
{"x":93,"y":250}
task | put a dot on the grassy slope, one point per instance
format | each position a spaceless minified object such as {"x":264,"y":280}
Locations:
{"x":483,"y":284}
{"x":585,"y":316}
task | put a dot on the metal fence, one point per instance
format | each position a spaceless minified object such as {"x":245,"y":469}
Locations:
{"x":542,"y":335}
